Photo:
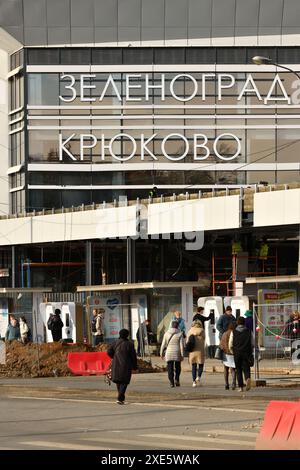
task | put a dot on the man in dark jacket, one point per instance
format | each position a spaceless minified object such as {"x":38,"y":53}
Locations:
{"x":199,"y":316}
{"x":124,"y":361}
{"x":241,"y":346}
{"x":56,"y":326}
{"x":224,"y":320}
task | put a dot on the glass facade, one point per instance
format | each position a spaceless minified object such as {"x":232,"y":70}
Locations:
{"x":93,"y":124}
{"x":17,"y":135}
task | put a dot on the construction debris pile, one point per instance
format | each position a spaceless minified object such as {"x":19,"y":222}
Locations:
{"x":48,"y":359}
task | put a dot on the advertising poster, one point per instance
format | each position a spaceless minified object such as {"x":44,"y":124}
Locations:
{"x":3,"y":317}
{"x":275,"y":307}
{"x":113,"y":321}
{"x":138,"y":312}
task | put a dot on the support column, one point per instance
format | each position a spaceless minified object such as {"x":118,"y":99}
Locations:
{"x":88,"y":263}
{"x":13,"y":267}
{"x":130,"y":260}
{"x":298,"y":253}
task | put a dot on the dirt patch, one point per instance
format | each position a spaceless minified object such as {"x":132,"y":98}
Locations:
{"x":49,"y":359}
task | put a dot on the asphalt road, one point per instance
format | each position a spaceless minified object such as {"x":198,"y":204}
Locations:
{"x":80,"y":413}
{"x":57,"y":423}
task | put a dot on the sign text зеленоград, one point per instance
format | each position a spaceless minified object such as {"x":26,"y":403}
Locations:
{"x":139,"y":87}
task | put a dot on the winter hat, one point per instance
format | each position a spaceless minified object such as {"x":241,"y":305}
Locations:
{"x":248,"y":313}
{"x":123,"y":333}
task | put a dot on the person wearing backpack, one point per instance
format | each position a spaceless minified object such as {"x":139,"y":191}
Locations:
{"x":24,"y":331}
{"x":241,"y":345}
{"x":228,"y":358}
{"x":172,"y":351}
{"x":196,"y":338}
{"x":56,"y":325}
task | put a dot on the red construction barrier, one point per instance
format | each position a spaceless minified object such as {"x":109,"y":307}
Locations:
{"x":281,"y":427}
{"x":89,"y":363}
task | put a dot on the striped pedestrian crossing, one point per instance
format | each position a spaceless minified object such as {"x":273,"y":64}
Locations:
{"x":201,"y":439}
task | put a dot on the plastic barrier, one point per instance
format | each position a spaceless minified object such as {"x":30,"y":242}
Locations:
{"x":281,"y":427}
{"x":88,"y":363}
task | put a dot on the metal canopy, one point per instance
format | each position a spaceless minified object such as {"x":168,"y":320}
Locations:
{"x":276,"y":279}
{"x":25,"y":290}
{"x":137,"y":285}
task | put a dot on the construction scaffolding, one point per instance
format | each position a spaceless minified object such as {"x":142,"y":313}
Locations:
{"x":226,"y":270}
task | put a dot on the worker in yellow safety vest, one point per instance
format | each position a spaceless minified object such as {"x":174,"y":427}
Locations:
{"x":236,"y":247}
{"x":263,"y":251}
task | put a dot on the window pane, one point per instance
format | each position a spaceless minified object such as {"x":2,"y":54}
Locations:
{"x":75,"y":56}
{"x":172,"y":55}
{"x":107,"y":56}
{"x":43,"y":146}
{"x":138,"y":56}
{"x":43,"y":56}
{"x":200,"y":55}
{"x":288,"y":145}
{"x":43,"y":89}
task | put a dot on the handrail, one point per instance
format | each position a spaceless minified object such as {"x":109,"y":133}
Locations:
{"x":210,"y":192}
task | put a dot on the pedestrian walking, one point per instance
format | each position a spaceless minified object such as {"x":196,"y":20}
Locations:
{"x":124,"y":361}
{"x":24,"y":331}
{"x":224,"y":320}
{"x":241,"y":345}
{"x":97,"y":326}
{"x":228,"y":358}
{"x":13,"y":330}
{"x":292,"y":330}
{"x":249,"y":320}
{"x":56,"y":325}
{"x":181,"y":323}
{"x":197,"y":355}
{"x":172,"y":351}
{"x":144,"y":336}
{"x":201,"y":317}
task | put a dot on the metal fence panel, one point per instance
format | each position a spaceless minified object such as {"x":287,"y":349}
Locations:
{"x":276,"y":331}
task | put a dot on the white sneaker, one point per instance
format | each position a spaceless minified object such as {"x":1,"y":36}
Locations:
{"x":248,"y":384}
{"x":198,"y":379}
{"x":194,"y":384}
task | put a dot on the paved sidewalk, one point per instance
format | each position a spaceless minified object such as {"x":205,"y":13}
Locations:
{"x":146,"y":387}
{"x":266,"y":366}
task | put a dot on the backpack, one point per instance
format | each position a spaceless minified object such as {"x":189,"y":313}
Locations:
{"x":50,"y":322}
{"x":190,"y":345}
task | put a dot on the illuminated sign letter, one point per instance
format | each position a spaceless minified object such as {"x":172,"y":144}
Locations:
{"x":128,"y":86}
{"x":86,"y":87}
{"x":195,"y":86}
{"x":144,"y":146}
{"x":285,"y":97}
{"x":203,"y":146}
{"x":122,"y":136}
{"x":110,"y":81}
{"x":249,"y":82}
{"x":69,"y":87}
{"x":204,"y":77}
{"x":82,"y":146}
{"x":226,"y":85}
{"x":179,"y":157}
{"x":63,"y":148}
{"x":232,"y":157}
{"x":161,"y":86}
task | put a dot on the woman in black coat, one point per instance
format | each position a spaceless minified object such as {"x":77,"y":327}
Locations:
{"x":124,"y":361}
